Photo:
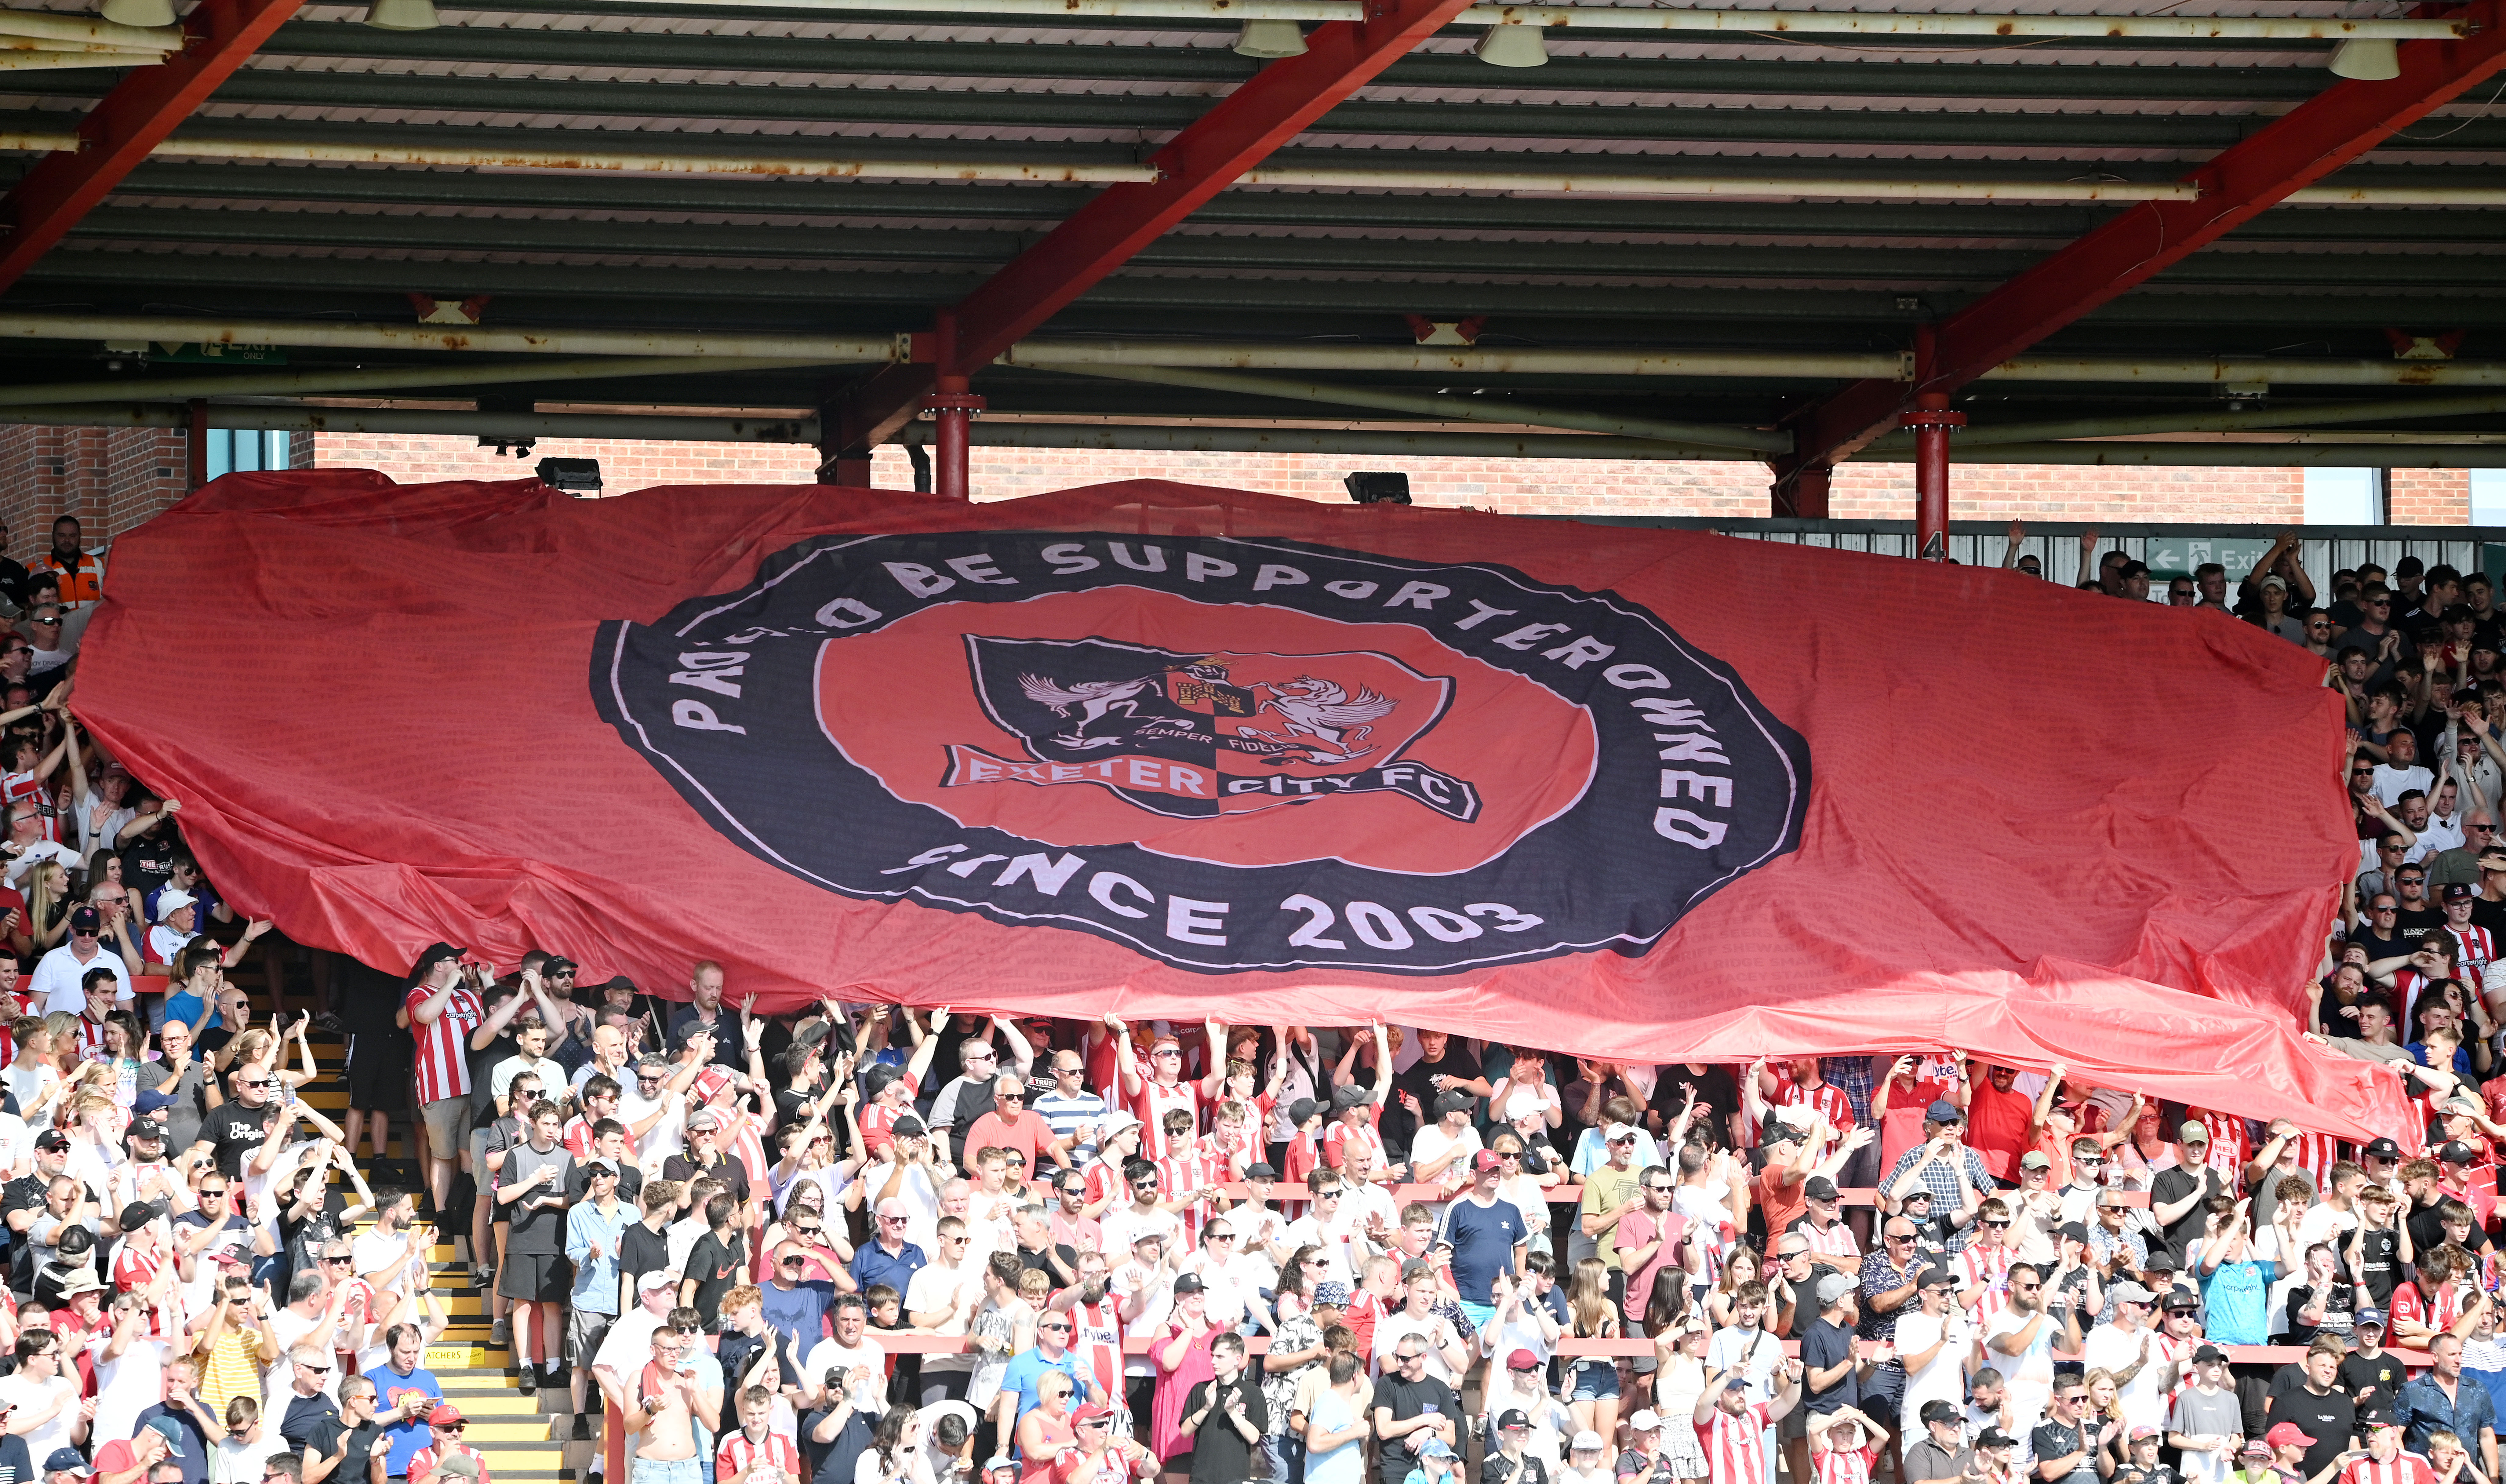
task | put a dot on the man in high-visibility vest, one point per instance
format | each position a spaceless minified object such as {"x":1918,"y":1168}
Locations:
{"x":80,"y":573}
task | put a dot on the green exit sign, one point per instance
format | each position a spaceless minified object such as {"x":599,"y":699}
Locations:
{"x":2177,"y":555}
{"x":217,"y":353}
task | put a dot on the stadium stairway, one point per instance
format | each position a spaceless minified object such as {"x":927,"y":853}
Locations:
{"x":524,"y":1438}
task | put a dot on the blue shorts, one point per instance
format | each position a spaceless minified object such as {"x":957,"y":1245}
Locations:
{"x":663,"y":1471}
{"x":1592,"y":1378}
{"x":1479,"y":1314}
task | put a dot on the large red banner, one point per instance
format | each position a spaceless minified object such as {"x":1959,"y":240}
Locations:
{"x":1173,"y":750}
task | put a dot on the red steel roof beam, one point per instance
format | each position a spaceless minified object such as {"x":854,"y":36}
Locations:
{"x":1279,"y":102}
{"x":133,"y":118}
{"x":2298,"y":148}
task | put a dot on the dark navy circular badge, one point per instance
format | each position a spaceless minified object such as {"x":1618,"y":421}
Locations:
{"x":1226,"y":754}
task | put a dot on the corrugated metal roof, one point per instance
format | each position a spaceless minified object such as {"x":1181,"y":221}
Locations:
{"x":641,"y":249}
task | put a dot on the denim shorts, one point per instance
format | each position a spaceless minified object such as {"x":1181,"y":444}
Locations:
{"x":1592,"y":1378}
{"x":663,"y":1471}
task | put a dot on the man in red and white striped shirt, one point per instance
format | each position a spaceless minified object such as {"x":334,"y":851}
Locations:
{"x":441,"y":1011}
{"x":2386,"y":1462}
{"x":1734,"y":1431}
{"x":755,"y":1442}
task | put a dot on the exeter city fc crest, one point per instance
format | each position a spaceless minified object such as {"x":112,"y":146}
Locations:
{"x":1226,"y":754}
{"x":1085,"y":709}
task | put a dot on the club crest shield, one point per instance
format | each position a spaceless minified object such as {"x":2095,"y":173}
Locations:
{"x":1226,"y":754}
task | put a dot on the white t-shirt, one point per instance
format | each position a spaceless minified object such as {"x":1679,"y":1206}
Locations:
{"x":934,"y":1287}
{"x":35,"y":1395}
{"x":1255,"y":1230}
{"x":1945,"y":1379}
{"x":1332,"y":1242}
{"x":127,"y":1386}
{"x":2393,"y":783}
{"x":828,"y":1354}
{"x":2033,"y":1369}
{"x":164,"y":942}
{"x":56,"y":984}
{"x":921,"y":1198}
{"x":663,"y":1140}
{"x":1391,"y":1329}
{"x":373,"y":1250}
{"x":1123,"y":1225}
{"x":1754,"y":1350}
{"x":1156,"y":1289}
{"x":2144,"y":1404}
{"x":1435,"y":1141}
{"x":2323,"y":1223}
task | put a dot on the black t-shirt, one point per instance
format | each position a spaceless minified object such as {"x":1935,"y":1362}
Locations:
{"x":729,"y":1050}
{"x":1398,"y":1124}
{"x":2488,"y":914}
{"x":361,"y":1441}
{"x":725,"y":1168}
{"x":1823,"y":1346}
{"x":641,"y":1250}
{"x":714,"y":1265}
{"x":2373,"y":1383}
{"x":2411,"y":925}
{"x":2173,"y":1186}
{"x":738,"y":1352}
{"x":1220,"y":1455}
{"x":834,"y":1462}
{"x":1405,"y":1399}
{"x":25,"y":1193}
{"x":1036,"y":1261}
{"x":148,"y":863}
{"x":312,"y":1422}
{"x":1526,"y":1469}
{"x":1804,"y":1301}
{"x":2054,"y":1441}
{"x":1716,"y":1090}
{"x":235,"y":1131}
{"x":2380,"y":949}
{"x":2379,"y":1263}
{"x":2339,"y":1304}
{"x":2328,"y":1419}
{"x":368,"y":998}
{"x":483,"y":1099}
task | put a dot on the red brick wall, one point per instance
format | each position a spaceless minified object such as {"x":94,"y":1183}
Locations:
{"x":2430,"y":496}
{"x":418,"y":458}
{"x":109,"y":478}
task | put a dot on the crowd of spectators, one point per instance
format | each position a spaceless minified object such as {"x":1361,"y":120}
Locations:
{"x":870,"y":1244}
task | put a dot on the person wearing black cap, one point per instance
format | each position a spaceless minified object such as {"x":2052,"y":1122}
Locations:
{"x":1941,"y":1164}
{"x":58,"y":985}
{"x":1942,"y":1452}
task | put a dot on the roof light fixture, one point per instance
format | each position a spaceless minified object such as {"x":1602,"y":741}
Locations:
{"x":2366,"y":59}
{"x":1271,"y":39}
{"x":402,"y":16}
{"x":1512,"y":46}
{"x":139,"y":13}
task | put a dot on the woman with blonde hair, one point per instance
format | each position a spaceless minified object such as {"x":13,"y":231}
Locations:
{"x":47,"y":920}
{"x":2104,"y":1417}
{"x":1593,"y":1381}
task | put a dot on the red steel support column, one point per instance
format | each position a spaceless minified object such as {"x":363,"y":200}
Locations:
{"x":2299,"y":147}
{"x":195,"y":443}
{"x":954,"y":408}
{"x":126,"y":123}
{"x":1931,"y":422}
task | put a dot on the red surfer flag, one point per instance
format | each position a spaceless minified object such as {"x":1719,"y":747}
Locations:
{"x":1168,"y":750}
